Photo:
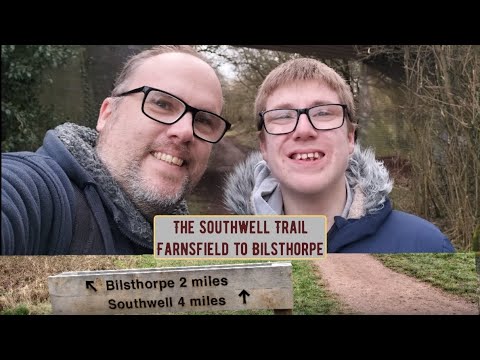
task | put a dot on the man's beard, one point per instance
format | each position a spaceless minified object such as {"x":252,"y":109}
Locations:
{"x":150,"y":200}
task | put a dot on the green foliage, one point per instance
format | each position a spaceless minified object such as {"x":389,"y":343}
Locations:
{"x":23,"y":117}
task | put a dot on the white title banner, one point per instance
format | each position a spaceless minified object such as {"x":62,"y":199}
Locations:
{"x":240,"y":236}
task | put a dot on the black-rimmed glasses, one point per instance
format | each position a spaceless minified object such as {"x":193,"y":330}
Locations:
{"x":285,"y":121}
{"x":166,"y":108}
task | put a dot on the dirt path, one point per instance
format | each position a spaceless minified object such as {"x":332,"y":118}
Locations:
{"x":365,"y":286}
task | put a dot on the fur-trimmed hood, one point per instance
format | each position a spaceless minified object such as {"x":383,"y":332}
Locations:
{"x":367,"y":177}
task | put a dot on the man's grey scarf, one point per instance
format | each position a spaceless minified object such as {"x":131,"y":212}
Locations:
{"x":80,"y":141}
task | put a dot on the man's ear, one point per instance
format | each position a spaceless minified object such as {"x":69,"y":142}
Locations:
{"x":105,"y":113}
{"x":351,"y":140}
{"x":261,"y":139}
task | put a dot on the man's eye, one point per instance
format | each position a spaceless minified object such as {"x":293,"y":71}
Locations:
{"x":163,"y":104}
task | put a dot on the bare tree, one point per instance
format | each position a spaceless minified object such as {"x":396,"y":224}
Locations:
{"x":442,"y":115}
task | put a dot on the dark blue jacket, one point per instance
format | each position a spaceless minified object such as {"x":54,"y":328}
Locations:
{"x":387,"y":231}
{"x":54,"y":201}
{"x":252,"y":190}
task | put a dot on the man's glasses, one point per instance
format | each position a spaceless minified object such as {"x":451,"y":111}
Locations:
{"x":285,"y":121}
{"x":167,"y":109}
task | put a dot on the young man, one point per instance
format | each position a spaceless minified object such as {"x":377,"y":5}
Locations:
{"x":96,"y":192}
{"x":311,"y":165}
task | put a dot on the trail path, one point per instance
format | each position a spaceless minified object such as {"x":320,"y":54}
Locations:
{"x":365,"y":286}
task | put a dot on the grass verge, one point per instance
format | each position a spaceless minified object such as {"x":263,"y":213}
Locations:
{"x":454,"y":273}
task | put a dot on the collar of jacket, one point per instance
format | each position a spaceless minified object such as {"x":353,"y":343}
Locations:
{"x":367,"y":177}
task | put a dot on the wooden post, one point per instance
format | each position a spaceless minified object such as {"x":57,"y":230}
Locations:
{"x":283,"y":311}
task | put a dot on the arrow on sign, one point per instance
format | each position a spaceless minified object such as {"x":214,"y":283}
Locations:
{"x":90,"y":284}
{"x":244,"y":294}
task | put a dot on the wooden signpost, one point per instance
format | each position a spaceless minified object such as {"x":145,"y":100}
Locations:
{"x":174,"y":290}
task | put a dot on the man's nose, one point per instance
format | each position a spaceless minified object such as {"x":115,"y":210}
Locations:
{"x":183,"y":128}
{"x":304,"y":127}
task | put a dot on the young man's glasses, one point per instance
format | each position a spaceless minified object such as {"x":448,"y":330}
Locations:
{"x":166,"y":108}
{"x":285,"y":121}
